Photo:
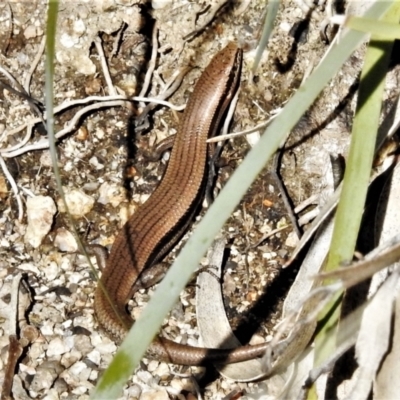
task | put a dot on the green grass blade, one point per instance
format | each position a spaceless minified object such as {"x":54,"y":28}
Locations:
{"x":272,"y":11}
{"x":49,"y":76}
{"x":383,"y":29}
{"x":357,"y":175}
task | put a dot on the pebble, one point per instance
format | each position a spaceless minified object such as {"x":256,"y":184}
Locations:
{"x":45,"y":375}
{"x":70,"y":358}
{"x":180,"y":384}
{"x":94,"y":356}
{"x":36,"y":351}
{"x":40,"y":213}
{"x":134,"y":392}
{"x":79,"y":203}
{"x":253,"y":138}
{"x":292,"y":240}
{"x":75,"y":380}
{"x":30,"y":32}
{"x":18,"y":389}
{"x":80,"y":369}
{"x":47,"y":328}
{"x":94,"y":161}
{"x":146,"y":377}
{"x":51,"y":270}
{"x":56,"y":347}
{"x":160,"y":394}
{"x":60,"y":385}
{"x":52,"y":394}
{"x":45,"y":159}
{"x":29,"y":267}
{"x":27,"y":369}
{"x":157,"y":4}
{"x":82,"y":343}
{"x":111,"y":194}
{"x":106,"y":348}
{"x":65,"y":241}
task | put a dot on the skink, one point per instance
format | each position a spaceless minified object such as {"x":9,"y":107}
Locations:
{"x":160,"y":222}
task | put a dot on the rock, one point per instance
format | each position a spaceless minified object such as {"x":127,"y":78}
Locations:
{"x":40,"y":212}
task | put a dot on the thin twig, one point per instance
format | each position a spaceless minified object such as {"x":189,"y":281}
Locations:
{"x":33,"y":103}
{"x":35,"y":63}
{"x":106,"y":101}
{"x":306,"y":203}
{"x":220,"y":138}
{"x":44,"y":143}
{"x":13,"y":81}
{"x":284,"y":195}
{"x":27,"y":191}
{"x":170,"y":87}
{"x":268,"y":235}
{"x":104,"y":66}
{"x":7,"y":36}
{"x":308,"y":217}
{"x":14,"y":187}
{"x":209,"y":18}
{"x":152,"y":63}
{"x":25,"y":140}
{"x":117,"y":40}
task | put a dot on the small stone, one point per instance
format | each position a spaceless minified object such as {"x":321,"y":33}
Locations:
{"x":257,"y":339}
{"x":76,"y":376}
{"x":79,"y":27}
{"x":78,"y":202}
{"x":27,"y":369}
{"x":134,"y":392}
{"x":157,"y":4}
{"x":93,"y":86}
{"x":94,"y":161}
{"x":47,"y":328}
{"x":128,"y":85}
{"x":178,"y":384}
{"x":146,"y":377}
{"x":160,"y":394}
{"x":51,"y":270}
{"x":65,"y":241}
{"x":29,"y":334}
{"x":56,"y":347}
{"x":40,"y":212}
{"x":94,"y":356}
{"x":84,"y":64}
{"x":100,"y":133}
{"x":111,"y":193}
{"x":82,"y":133}
{"x":253,"y":138}
{"x":30,"y":32}
{"x":106,"y":348}
{"x":70,"y":358}
{"x":78,"y":368}
{"x":53,"y":393}
{"x":43,"y":380}
{"x":82,"y":343}
{"x":36,"y":350}
{"x":94,"y":376}
{"x":292,"y":240}
{"x":45,"y":159}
